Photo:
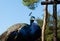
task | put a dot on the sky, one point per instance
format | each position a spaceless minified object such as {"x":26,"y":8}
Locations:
{"x":13,"y":12}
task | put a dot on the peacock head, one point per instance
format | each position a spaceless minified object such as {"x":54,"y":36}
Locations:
{"x":32,"y":19}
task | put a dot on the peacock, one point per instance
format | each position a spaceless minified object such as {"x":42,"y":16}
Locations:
{"x":27,"y":33}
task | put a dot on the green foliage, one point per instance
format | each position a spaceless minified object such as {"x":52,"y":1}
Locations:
{"x":31,"y":4}
{"x":58,"y":35}
{"x":49,"y":37}
{"x":49,"y":30}
{"x":58,"y":22}
{"x":40,"y":22}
